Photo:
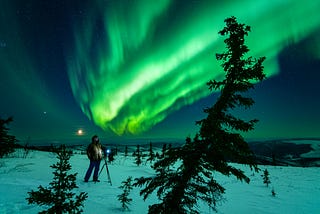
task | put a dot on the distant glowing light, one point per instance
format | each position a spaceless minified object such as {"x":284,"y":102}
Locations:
{"x":133,"y":64}
{"x":80,"y":132}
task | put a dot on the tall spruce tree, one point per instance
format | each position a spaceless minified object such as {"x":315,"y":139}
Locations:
{"x":7,"y":141}
{"x":187,"y":174}
{"x":59,"y":196}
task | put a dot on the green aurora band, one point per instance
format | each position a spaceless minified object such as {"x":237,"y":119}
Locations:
{"x":135,"y":62}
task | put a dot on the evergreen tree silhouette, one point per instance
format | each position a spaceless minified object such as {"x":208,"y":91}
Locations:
{"x":265,"y":176}
{"x":126,"y":151}
{"x":59,"y":196}
{"x":186,"y":174}
{"x":138,"y":156}
{"x":124,"y":197}
{"x":7,"y":141}
{"x":164,"y":149}
{"x":152,"y":156}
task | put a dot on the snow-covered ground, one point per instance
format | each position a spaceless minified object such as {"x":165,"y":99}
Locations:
{"x":297,"y":189}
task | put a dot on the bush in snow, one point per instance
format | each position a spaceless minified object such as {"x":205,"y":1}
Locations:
{"x":185,"y":175}
{"x":273,"y":193}
{"x":59,"y":196}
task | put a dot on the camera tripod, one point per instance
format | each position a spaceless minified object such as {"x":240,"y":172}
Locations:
{"x":107,"y":169}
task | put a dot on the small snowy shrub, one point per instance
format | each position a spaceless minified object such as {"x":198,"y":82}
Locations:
{"x":124,"y":197}
{"x":273,"y":193}
{"x":59,"y":196}
{"x":265,"y":176}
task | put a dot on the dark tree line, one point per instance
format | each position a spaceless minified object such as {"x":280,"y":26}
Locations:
{"x":187,"y":174}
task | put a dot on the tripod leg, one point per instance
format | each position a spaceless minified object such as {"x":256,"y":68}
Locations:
{"x":109,"y":178}
{"x":101,"y":169}
{"x":108,"y":174}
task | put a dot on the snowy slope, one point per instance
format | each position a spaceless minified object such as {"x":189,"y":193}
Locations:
{"x":297,"y":189}
{"x":294,"y":152}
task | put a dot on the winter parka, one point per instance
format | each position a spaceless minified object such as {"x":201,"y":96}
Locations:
{"x":94,"y":151}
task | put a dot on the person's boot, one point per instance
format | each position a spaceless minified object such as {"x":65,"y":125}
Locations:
{"x":96,"y":180}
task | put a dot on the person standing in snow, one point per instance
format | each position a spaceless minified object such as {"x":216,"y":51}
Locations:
{"x":94,"y":152}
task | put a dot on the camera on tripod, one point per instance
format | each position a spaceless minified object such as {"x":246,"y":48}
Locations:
{"x":108,"y":154}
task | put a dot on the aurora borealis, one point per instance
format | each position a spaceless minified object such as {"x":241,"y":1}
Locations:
{"x":139,"y":68}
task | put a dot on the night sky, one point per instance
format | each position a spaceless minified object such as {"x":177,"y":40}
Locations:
{"x":137,"y":69}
